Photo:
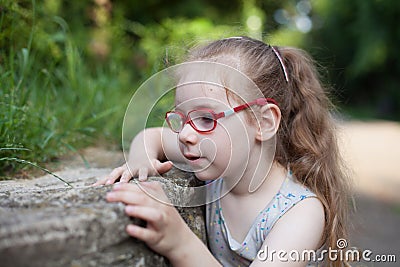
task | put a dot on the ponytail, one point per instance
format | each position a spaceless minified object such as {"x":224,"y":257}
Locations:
{"x":307,"y":143}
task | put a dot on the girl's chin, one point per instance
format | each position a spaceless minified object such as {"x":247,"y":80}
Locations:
{"x":205,"y":175}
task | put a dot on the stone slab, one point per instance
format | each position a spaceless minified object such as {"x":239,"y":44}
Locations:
{"x":43,"y":222}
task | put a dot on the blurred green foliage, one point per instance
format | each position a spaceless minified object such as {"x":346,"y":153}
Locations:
{"x":358,"y":40}
{"x":69,"y":68}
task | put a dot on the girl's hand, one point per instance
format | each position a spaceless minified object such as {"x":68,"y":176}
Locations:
{"x":166,"y":231}
{"x":145,"y":156}
{"x":142,"y":171}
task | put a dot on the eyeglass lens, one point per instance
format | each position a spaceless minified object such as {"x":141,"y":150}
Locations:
{"x":201,"y":120}
{"x":175,"y":121}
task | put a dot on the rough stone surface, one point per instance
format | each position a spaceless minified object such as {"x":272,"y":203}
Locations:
{"x":43,"y":222}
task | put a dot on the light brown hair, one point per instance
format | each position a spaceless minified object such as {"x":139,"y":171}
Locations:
{"x":306,"y":139}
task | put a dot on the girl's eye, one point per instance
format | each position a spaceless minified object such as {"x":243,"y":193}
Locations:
{"x":203,"y":121}
{"x":206,"y":120}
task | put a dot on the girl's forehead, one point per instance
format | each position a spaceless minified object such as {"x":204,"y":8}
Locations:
{"x":199,"y":81}
{"x":200,"y":94}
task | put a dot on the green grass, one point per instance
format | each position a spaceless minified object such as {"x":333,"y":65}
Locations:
{"x":45,"y":112}
{"x":50,"y":105}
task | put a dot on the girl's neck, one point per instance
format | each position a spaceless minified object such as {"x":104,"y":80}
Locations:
{"x":258,"y":176}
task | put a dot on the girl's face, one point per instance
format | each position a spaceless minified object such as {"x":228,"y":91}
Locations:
{"x":222,"y":152}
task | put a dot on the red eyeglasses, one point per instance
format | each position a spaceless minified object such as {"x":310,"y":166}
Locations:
{"x":205,"y":120}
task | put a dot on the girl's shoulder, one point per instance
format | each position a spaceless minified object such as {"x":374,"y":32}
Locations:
{"x":290,"y":194}
{"x":293,"y":190}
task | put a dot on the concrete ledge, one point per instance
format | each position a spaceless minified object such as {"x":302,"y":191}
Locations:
{"x":45,"y":223}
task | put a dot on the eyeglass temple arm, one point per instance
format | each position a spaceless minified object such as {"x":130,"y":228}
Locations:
{"x":258,"y":101}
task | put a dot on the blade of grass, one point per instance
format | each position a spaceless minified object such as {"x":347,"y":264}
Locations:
{"x":14,"y":148}
{"x":36,"y":166}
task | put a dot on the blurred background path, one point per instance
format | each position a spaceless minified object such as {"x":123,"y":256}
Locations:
{"x":372,"y":150}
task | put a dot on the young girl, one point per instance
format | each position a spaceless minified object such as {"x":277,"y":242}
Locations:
{"x":264,"y":202}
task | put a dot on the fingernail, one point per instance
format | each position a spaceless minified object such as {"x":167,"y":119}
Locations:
{"x":110,"y":195}
{"x":117,"y":186}
{"x":130,"y":228}
{"x":109,"y":182}
{"x":129,"y":209}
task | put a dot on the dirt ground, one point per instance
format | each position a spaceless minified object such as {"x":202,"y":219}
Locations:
{"x":372,"y":151}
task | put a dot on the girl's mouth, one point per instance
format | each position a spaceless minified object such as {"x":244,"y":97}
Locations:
{"x":197,"y":162}
{"x":192,"y":158}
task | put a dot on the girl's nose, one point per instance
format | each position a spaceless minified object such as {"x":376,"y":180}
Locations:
{"x":188,"y":135}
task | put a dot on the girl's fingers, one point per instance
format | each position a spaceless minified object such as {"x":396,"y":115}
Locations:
{"x":132,"y":187}
{"x":144,"y":234}
{"x":100,"y":182}
{"x":156,"y":191}
{"x":163,"y":167}
{"x":144,"y":193}
{"x":143,"y":172}
{"x":158,"y":168}
{"x":112,"y":177}
{"x":149,"y":214}
{"x":127,"y":197}
{"x":126,"y":176}
{"x":115,"y":174}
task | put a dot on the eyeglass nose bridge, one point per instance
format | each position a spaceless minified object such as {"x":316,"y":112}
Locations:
{"x":184,"y":120}
{"x":190,"y":123}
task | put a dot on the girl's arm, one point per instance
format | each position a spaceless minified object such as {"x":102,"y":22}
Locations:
{"x":150,"y":153}
{"x":300,"y":229}
{"x":165,"y":232}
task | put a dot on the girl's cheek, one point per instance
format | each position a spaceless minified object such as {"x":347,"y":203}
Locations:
{"x":209,"y":146}
{"x":223,"y":148}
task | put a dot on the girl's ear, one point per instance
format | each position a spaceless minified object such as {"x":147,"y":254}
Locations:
{"x":269,"y":122}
